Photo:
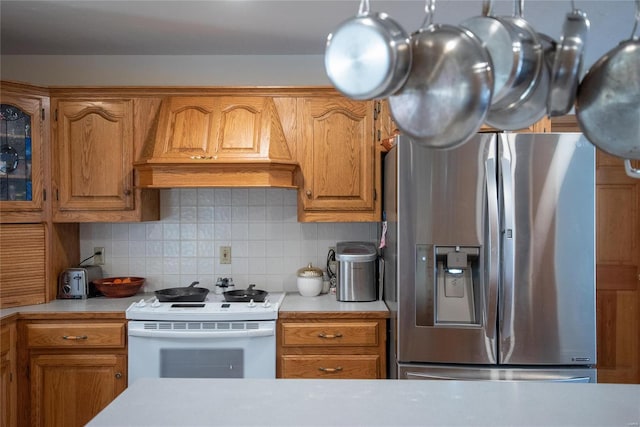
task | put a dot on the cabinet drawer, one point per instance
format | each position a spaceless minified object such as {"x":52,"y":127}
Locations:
{"x":330,"y":366}
{"x":330,"y":334}
{"x":89,"y":335}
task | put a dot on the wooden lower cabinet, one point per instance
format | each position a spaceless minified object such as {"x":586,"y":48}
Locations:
{"x":8,"y":377}
{"x":73,"y":370}
{"x":326,"y":347}
{"x":70,"y":389}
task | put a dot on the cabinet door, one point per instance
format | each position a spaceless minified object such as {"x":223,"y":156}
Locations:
{"x":385,"y":126}
{"x":94,"y":148}
{"x":22,"y":264}
{"x":618,"y":271}
{"x":337,"y":159}
{"x":187,"y":128}
{"x":69,"y":390}
{"x":8,"y":379}
{"x":21,"y":167}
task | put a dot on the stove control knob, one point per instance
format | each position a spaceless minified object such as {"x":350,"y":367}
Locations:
{"x":141,"y":303}
{"x":251,"y":304}
{"x":155,"y":304}
{"x":266,"y":303}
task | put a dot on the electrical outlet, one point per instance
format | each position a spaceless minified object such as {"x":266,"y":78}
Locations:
{"x":225,"y":254}
{"x":98,"y":256}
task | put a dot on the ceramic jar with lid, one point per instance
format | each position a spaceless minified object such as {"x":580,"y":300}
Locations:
{"x":309,"y":281}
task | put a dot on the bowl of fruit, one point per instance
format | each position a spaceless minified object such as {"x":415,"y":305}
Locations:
{"x":119,"y":287}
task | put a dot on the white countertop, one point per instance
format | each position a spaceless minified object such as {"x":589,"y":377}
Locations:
{"x":234,"y":402}
{"x":97,"y":304}
{"x":292,"y":302}
{"x":327,"y":302}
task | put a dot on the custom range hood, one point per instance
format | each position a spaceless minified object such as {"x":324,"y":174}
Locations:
{"x":220,"y":141}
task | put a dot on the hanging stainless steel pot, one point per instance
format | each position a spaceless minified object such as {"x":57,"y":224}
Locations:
{"x":502,"y":41}
{"x":608,"y":101}
{"x":448,"y":92}
{"x":526,"y":103}
{"x":368,"y":57}
{"x":567,"y":64}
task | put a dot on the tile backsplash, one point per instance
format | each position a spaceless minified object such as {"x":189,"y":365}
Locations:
{"x":268,"y":244}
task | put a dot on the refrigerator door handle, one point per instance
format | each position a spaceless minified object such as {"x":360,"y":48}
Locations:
{"x":506,"y":300}
{"x":481,"y":377}
{"x":491,"y":298}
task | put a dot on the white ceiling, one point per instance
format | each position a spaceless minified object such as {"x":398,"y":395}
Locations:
{"x":256,"y":27}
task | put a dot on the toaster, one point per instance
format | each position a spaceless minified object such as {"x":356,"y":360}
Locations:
{"x":77,"y":282}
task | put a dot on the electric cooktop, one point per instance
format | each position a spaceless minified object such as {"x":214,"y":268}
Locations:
{"x":213,"y":308}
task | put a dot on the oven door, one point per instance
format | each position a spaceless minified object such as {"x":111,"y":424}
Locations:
{"x":231,"y":349}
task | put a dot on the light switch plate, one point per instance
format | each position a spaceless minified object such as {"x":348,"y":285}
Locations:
{"x":225,"y":254}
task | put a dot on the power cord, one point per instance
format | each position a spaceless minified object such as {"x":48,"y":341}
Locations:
{"x":90,"y":257}
{"x":331,"y":258}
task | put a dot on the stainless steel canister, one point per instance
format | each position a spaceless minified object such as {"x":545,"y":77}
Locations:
{"x":356,"y":271}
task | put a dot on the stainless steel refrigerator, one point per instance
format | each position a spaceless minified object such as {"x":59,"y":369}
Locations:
{"x":489,"y":264}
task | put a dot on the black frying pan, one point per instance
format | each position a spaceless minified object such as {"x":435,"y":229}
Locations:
{"x":187,"y":294}
{"x":245,"y":295}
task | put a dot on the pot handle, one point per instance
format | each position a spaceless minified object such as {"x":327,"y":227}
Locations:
{"x":635,"y":25}
{"x":487,"y":7}
{"x":429,"y":9}
{"x":518,"y":8}
{"x":363,"y":10}
{"x":630,"y":170}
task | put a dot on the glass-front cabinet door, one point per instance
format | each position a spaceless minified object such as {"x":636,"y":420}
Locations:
{"x":21,"y":163}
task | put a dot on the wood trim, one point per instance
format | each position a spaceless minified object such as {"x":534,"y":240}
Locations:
{"x":617,"y":277}
{"x":566,"y":123}
{"x":144,"y":91}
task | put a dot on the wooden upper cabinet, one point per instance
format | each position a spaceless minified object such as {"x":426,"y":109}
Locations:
{"x":22,"y":135}
{"x":93,"y":162}
{"x":95,"y":155}
{"x":339,"y":179}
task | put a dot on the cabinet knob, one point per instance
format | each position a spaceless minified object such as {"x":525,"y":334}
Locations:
{"x":118,"y":375}
{"x":329,"y":336}
{"x":127,"y":192}
{"x":308,"y":193}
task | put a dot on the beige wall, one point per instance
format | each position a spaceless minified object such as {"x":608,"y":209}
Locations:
{"x":152,"y":70}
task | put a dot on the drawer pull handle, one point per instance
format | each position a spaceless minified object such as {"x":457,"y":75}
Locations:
{"x":329,"y":336}
{"x":75,"y":337}
{"x":329,"y":370}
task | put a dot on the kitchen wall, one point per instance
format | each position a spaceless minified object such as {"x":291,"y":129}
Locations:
{"x":268,"y":244}
{"x":165,"y":70}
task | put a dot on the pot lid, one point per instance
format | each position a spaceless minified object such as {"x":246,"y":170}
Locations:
{"x":310,"y":271}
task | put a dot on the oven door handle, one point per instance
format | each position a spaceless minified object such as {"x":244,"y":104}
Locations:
{"x":252,"y":333}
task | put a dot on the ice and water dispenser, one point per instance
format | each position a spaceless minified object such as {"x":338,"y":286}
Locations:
{"x":448,"y":285}
{"x":456,"y":268}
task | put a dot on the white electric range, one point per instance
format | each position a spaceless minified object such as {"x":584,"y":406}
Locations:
{"x":209,"y":339}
